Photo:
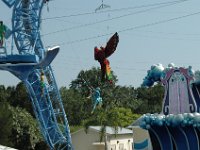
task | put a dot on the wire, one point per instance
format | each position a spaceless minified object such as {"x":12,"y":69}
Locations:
{"x":80,"y":64}
{"x":133,"y":28}
{"x":173,"y":33}
{"x":187,"y":38}
{"x":113,"y":10}
{"x":77,"y":67}
{"x":160,"y":22}
{"x":114,"y":18}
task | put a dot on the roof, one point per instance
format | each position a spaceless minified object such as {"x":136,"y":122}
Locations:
{"x":6,"y":148}
{"x":135,"y":123}
{"x":110,"y":130}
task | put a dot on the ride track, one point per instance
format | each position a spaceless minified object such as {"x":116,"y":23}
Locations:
{"x":28,"y":65}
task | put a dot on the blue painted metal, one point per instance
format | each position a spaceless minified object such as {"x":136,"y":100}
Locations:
{"x":9,"y":3}
{"x":165,"y":141}
{"x":26,"y":27}
{"x":192,"y":137}
{"x":18,"y":59}
{"x":179,"y":138}
{"x":25,"y":65}
{"x":142,"y":145}
{"x":8,"y":32}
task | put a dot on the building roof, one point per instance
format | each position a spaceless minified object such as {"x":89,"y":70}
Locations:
{"x":136,"y":123}
{"x":110,"y":130}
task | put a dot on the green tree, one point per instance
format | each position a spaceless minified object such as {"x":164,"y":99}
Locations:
{"x":41,"y":145}
{"x":90,"y":78}
{"x":5,"y":116}
{"x":20,"y":98}
{"x":18,"y":127}
{"x":5,"y":124}
{"x":5,"y":93}
{"x":119,"y":102}
{"x":24,"y":129}
{"x":151,"y":99}
{"x":75,"y":105}
{"x":125,"y":97}
{"x":2,"y":93}
{"x":112,"y":112}
{"x":76,"y":100}
{"x":114,"y":117}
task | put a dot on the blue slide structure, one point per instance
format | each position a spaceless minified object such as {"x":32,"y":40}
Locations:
{"x":28,"y":64}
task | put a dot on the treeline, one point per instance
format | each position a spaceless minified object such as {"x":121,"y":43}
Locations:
{"x":121,"y":106}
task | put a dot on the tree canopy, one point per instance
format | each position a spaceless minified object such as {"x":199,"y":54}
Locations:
{"x":120,"y":107}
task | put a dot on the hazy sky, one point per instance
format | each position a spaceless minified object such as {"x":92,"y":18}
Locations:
{"x":150,"y":32}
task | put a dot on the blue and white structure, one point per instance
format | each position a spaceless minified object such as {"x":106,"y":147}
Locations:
{"x":177,"y":127}
{"x":27,"y":64}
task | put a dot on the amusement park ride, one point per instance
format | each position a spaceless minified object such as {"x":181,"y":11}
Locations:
{"x":102,"y":6}
{"x":32,"y":61}
{"x":177,"y":127}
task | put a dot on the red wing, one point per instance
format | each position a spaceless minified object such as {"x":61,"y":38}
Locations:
{"x":111,"y":45}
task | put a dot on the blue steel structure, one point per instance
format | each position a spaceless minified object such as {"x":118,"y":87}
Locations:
{"x":28,"y":64}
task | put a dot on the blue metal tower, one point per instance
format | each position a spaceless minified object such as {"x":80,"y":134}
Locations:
{"x":32,"y":61}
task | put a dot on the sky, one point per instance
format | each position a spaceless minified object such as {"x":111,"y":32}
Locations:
{"x":150,"y":32}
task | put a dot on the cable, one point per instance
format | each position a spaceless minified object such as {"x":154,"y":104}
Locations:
{"x":80,"y":64}
{"x":118,"y":17}
{"x":113,"y":10}
{"x":173,"y":33}
{"x":193,"y":39}
{"x":160,"y":22}
{"x":133,"y":28}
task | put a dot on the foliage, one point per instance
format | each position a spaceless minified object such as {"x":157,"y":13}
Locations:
{"x":19,"y":98}
{"x":126,"y":97}
{"x":85,"y":78}
{"x":5,"y":124}
{"x":115,"y":117}
{"x":17,"y":127}
{"x":41,"y":145}
{"x":121,"y":106}
{"x":75,"y":105}
{"x":5,"y":93}
{"x":76,"y":99}
{"x":75,"y":128}
{"x":24,"y":129}
{"x":119,"y":102}
{"x":89,"y":78}
{"x":151,"y":99}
